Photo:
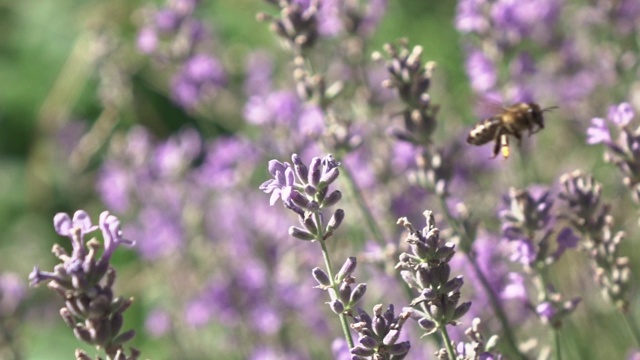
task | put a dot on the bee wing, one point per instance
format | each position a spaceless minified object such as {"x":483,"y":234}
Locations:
{"x":488,"y":105}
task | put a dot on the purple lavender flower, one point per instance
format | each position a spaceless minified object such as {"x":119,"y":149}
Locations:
{"x":481,"y":71}
{"x":374,"y":12}
{"x":427,"y":270}
{"x":306,"y":189}
{"x":199,"y":78}
{"x":627,"y":14}
{"x":378,"y":335}
{"x":621,"y":114}
{"x":594,"y":223}
{"x":529,"y":18}
{"x":298,"y":23}
{"x":85,"y":280}
{"x":340,"y":349}
{"x":281,"y":186}
{"x":173,"y":35}
{"x":157,"y":323}
{"x":226,"y":163}
{"x":159,"y":231}
{"x":551,"y":312}
{"x":598,"y":132}
{"x":12,"y":292}
{"x":147,"y":40}
{"x":470,"y":17}
{"x":281,"y":107}
{"x":259,"y":69}
{"x":477,"y":347}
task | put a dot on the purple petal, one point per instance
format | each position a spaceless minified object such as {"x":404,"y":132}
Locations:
{"x":62,"y":224}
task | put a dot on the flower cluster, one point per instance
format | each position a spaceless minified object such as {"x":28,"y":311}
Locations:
{"x":411,"y":78}
{"x":308,"y":194}
{"x":348,"y":297}
{"x":624,"y":152}
{"x":85,"y":281}
{"x":593,"y":221}
{"x":477,"y":348}
{"x":378,"y":336}
{"x":427,"y":270}
{"x":528,"y":224}
{"x":297,"y":24}
{"x":172,"y":34}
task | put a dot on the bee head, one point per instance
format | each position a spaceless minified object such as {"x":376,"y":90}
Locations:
{"x":536,"y":113}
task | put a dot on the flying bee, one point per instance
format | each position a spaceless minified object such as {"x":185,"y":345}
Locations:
{"x":512,"y":120}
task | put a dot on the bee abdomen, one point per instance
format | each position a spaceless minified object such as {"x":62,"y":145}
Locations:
{"x":484,"y":131}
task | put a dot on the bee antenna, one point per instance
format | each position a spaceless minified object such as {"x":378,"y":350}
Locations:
{"x":549,"y":108}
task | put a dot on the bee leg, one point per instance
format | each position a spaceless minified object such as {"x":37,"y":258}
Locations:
{"x":519,"y":137}
{"x":504,"y":142}
{"x":496,"y":147}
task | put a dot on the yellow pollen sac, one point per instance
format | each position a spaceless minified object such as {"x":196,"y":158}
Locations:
{"x":505,"y":151}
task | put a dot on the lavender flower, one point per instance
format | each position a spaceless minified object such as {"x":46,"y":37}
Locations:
{"x":598,"y":132}
{"x":427,"y":270}
{"x":528,"y":225}
{"x":477,"y":348}
{"x":593,"y":221}
{"x":297,"y":24}
{"x":411,"y":79}
{"x":305,"y":190}
{"x":378,"y":336}
{"x":86,"y":281}
{"x":200,"y":77}
{"x":172,"y":34}
{"x":624,"y":152}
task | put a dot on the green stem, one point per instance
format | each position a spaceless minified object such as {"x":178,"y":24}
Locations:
{"x":633,"y":328}
{"x":333,"y":291}
{"x":556,"y":336}
{"x":371,"y":223}
{"x":7,"y":334}
{"x":447,"y":342}
{"x":493,"y":298}
{"x":364,"y":209}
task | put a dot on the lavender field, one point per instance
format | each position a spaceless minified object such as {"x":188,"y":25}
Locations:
{"x":319,"y":179}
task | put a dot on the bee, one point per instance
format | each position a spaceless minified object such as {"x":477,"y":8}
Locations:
{"x":512,"y":120}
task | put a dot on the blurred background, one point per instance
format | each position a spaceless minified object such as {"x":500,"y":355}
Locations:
{"x":98,"y":111}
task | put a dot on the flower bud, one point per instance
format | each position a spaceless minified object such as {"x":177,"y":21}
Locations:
{"x":399,"y":348}
{"x":321,"y":277}
{"x":362,"y":351}
{"x":344,"y":292}
{"x":357,"y":294}
{"x":368,"y":341}
{"x":347,"y":268}
{"x":461,"y":310}
{"x":452,"y":285}
{"x":336,"y":220}
{"x":332,"y":198}
{"x":428,"y":325}
{"x":301,"y":169}
{"x":301,"y":234}
{"x":336,"y":306}
{"x":328,"y":178}
{"x":309,"y":223}
{"x":315,"y":171}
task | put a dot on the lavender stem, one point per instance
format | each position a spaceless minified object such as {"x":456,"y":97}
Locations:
{"x":633,"y":328}
{"x":447,"y":342}
{"x":333,"y":291}
{"x":495,"y":303}
{"x":556,"y":336}
{"x":364,"y":208}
